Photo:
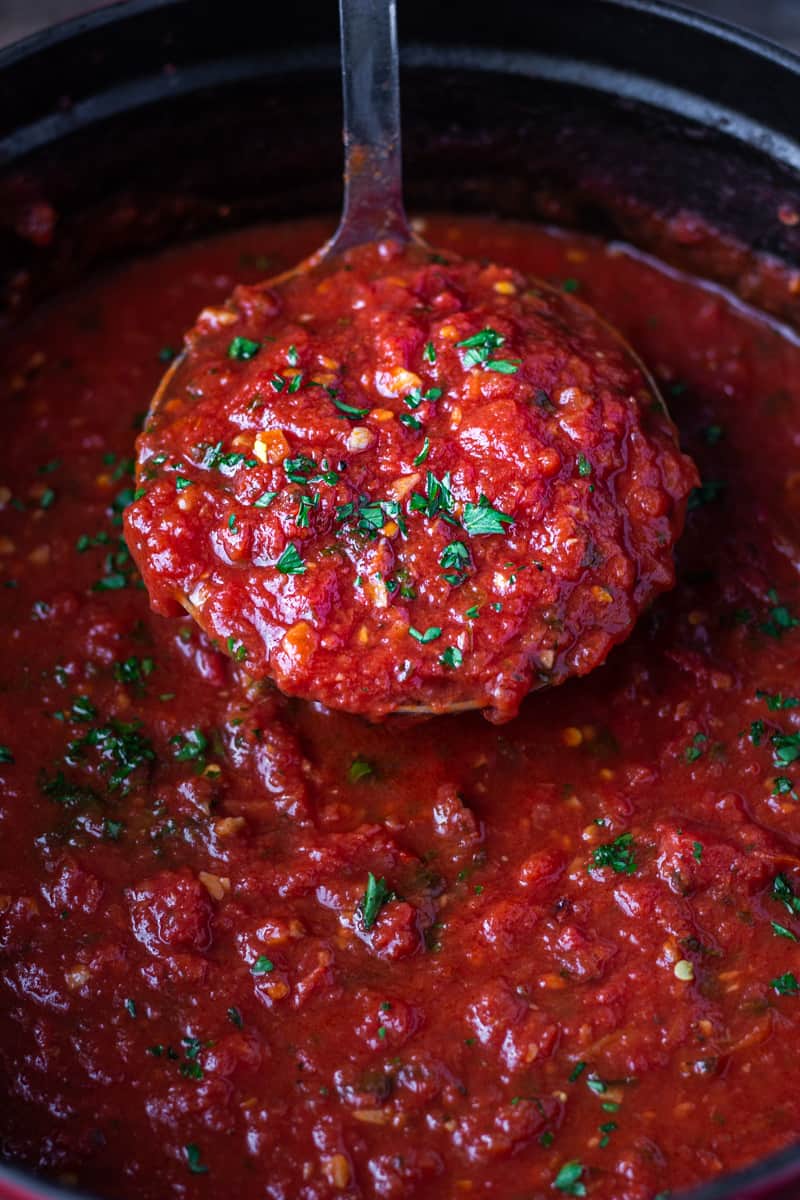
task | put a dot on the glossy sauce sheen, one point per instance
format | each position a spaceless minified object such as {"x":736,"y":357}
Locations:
{"x":576,"y":970}
{"x":402,"y":480}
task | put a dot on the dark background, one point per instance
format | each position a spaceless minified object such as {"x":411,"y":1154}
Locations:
{"x":776,"y":19}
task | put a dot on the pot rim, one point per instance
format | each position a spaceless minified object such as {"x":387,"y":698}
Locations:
{"x":763,"y":1175}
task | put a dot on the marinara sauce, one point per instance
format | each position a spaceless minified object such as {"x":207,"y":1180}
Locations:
{"x":408,"y":480}
{"x":253,"y":947}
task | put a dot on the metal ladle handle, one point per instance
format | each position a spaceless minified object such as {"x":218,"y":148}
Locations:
{"x":373,"y":170}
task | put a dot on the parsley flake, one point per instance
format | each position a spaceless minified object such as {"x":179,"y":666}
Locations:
{"x":291,"y":561}
{"x":430,"y":635}
{"x":423,"y":454}
{"x":193,"y":1157}
{"x":373,"y":900}
{"x":264,"y":500}
{"x":568,"y":1180}
{"x":619,"y":855}
{"x":452,"y":657}
{"x":243,"y":348}
{"x":359,"y":769}
{"x":481,"y":518}
{"x":349,"y":410}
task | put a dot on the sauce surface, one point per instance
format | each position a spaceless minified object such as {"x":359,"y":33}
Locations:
{"x":403,"y":480}
{"x":250,"y":945}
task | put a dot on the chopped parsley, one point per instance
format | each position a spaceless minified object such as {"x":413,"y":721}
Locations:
{"x":66,"y":792}
{"x":786,"y":985}
{"x":568,"y":1180}
{"x":481,"y":518}
{"x":607,"y":1128}
{"x":423,"y":454}
{"x":133,"y":670}
{"x":429,"y":353}
{"x":619,"y":855}
{"x":503,"y":366}
{"x":243,"y":348}
{"x":235,"y":1017}
{"x":264,"y":500}
{"x":121,"y":746}
{"x":438,"y":499}
{"x":757,"y":731}
{"x":262,"y":965}
{"x":214,"y":459}
{"x":696,"y":750}
{"x":783,"y":892}
{"x":584,"y":466}
{"x":190,"y":746}
{"x":430,"y":635}
{"x":785,"y":748}
{"x":349,"y":410}
{"x":782,"y":931}
{"x":359,"y":769}
{"x":776,"y":701}
{"x":236,"y":649}
{"x":307,"y":503}
{"x":299,"y":469}
{"x":455,"y":561}
{"x":291,"y":561}
{"x":193,"y":1157}
{"x":5,"y":755}
{"x":476,"y":351}
{"x":416,"y":396}
{"x":780,"y":619}
{"x":455,"y":555}
{"x":452,"y":657}
{"x":373,"y":900}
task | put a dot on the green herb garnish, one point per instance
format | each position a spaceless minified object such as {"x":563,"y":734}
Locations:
{"x":291,"y":561}
{"x":430,"y":635}
{"x":619,"y":855}
{"x":243,"y":348}
{"x":568,"y":1180}
{"x":262,"y":965}
{"x":373,"y":900}
{"x":481,"y":518}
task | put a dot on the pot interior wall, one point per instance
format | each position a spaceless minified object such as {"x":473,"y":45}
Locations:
{"x":150,"y":128}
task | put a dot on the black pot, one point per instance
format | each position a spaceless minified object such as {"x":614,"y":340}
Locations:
{"x":149,"y":122}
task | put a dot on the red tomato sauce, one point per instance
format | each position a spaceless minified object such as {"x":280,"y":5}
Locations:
{"x":404,"y":480}
{"x":252,"y":947}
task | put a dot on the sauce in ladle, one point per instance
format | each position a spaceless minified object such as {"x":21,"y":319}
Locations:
{"x":394,"y":481}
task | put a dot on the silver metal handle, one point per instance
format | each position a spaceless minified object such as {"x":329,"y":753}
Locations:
{"x":373,"y":175}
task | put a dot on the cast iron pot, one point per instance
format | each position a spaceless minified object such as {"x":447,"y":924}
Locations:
{"x":153,"y":121}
